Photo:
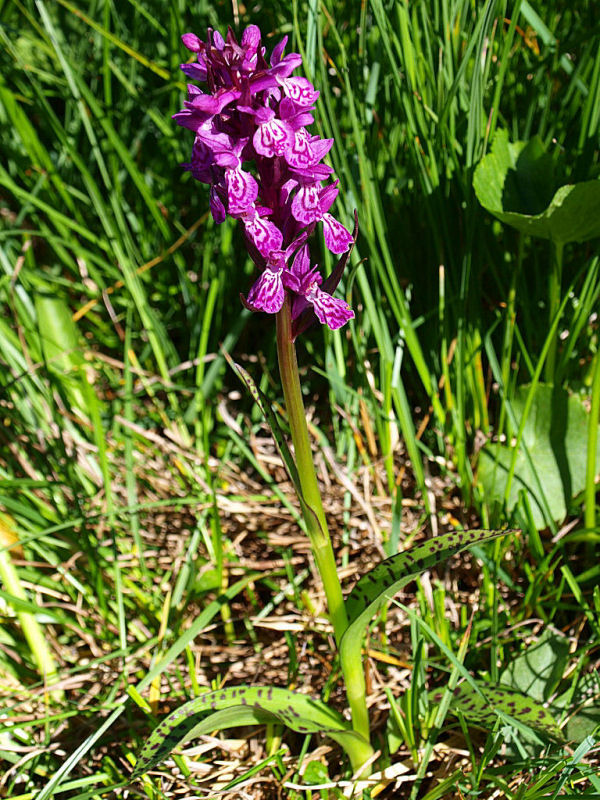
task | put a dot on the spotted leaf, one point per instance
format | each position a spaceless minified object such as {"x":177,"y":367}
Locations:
{"x":483,"y":708}
{"x":248,"y":705}
{"x":265,"y":406}
{"x":391,"y":575}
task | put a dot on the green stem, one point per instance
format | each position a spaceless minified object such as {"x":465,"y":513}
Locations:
{"x":509,"y":330}
{"x":554,"y":287}
{"x":356,"y":690}
{"x":592,"y":440}
{"x":32,"y":630}
{"x":314,"y":516}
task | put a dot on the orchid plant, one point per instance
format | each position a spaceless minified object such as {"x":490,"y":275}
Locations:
{"x":265,"y":169}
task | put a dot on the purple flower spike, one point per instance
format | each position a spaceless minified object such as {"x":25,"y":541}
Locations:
{"x":264,"y":168}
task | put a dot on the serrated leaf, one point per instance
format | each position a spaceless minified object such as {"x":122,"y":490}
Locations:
{"x":514,"y":183}
{"x":483,"y":708}
{"x":246,"y":705}
{"x":391,"y":575}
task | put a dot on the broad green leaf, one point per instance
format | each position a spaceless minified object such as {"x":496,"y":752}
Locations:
{"x":538,"y":670}
{"x":391,"y":575}
{"x":582,"y":706}
{"x":61,"y":345}
{"x":249,"y":705}
{"x":555,"y":436}
{"x":315,"y":772}
{"x":515,"y":183}
{"x":483,"y":707}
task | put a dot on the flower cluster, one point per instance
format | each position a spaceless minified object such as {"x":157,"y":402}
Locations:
{"x":258,"y":112}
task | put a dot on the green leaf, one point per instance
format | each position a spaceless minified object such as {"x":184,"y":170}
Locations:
{"x":514,"y":183}
{"x":269,"y":415}
{"x":391,"y":575}
{"x":538,"y":671}
{"x":483,"y":707}
{"x":61,"y":345}
{"x":315,"y":772}
{"x":248,"y":705}
{"x":583,"y":704}
{"x":555,"y":435}
{"x":262,"y":401}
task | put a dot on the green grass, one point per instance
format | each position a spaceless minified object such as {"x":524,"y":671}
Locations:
{"x":137,"y":476}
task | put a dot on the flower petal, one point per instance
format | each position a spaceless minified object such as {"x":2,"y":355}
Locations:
{"x":301,"y":263}
{"x":215,"y":103}
{"x":290,"y":281}
{"x":306,"y":205}
{"x":217,"y":209}
{"x":251,"y":38}
{"x":194,"y":71}
{"x":273,"y":138}
{"x":300,"y":153}
{"x":287,"y":65}
{"x":242,"y":190}
{"x":330,"y":311}
{"x":317,"y":172}
{"x":265,"y":235}
{"x":278,"y":50}
{"x":192,"y":42}
{"x":202,"y":161}
{"x":337,"y":238}
{"x":300,"y":90}
{"x":267,"y":294}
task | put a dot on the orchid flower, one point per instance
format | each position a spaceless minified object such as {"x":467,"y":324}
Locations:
{"x":264,"y":167}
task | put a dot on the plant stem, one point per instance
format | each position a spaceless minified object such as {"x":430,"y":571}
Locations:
{"x":592,"y":439}
{"x":32,"y":630}
{"x":316,"y":522}
{"x":509,"y":330}
{"x":554,"y":287}
{"x":354,"y":677}
{"x":314,"y":515}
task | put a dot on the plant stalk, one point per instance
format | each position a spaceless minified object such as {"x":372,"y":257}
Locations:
{"x":32,"y":630}
{"x":554,"y":287}
{"x":592,"y":439}
{"x":312,"y":505}
{"x":314,"y":515}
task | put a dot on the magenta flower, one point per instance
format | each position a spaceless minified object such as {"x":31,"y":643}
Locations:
{"x":329,"y":310}
{"x":264,"y":168}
